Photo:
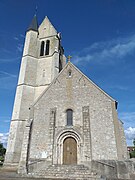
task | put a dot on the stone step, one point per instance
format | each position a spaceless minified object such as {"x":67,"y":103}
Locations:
{"x":68,"y":168}
{"x":132,"y":176}
{"x":9,"y":175}
{"x":64,"y":171}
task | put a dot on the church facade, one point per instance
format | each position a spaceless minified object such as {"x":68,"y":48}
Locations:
{"x":60,"y":116}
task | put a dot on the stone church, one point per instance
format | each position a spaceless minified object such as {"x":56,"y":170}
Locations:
{"x":63,"y":125}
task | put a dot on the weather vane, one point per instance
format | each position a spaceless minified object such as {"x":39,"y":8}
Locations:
{"x":69,"y":58}
{"x":36,"y":8}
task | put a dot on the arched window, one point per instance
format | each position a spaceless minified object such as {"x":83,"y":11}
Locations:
{"x":69,"y":117}
{"x":47,"y":47}
{"x":42,"y":48}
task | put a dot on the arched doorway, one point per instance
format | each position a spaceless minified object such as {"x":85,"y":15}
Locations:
{"x":69,"y":151}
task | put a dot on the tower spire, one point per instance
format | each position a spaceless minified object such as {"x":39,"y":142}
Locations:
{"x":34,"y":24}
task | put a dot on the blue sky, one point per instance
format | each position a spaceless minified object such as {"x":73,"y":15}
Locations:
{"x":100,"y":36}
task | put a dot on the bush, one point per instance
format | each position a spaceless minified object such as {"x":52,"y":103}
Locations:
{"x":1,"y":159}
{"x":132,"y":154}
{"x":2,"y":154}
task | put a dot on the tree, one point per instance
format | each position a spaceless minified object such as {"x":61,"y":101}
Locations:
{"x":2,"y":152}
{"x":132,"y":154}
{"x":134,"y":142}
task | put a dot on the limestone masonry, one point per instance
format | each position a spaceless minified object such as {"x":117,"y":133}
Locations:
{"x":63,"y":125}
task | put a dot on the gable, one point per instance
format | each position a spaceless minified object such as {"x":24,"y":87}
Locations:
{"x":46,"y":29}
{"x":77,"y":80}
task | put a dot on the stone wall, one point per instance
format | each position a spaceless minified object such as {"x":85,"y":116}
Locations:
{"x":123,"y":141}
{"x":36,"y":74}
{"x":74,"y":93}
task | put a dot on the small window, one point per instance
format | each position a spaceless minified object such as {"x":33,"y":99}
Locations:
{"x":47,"y":47}
{"x":69,"y":74}
{"x":42,"y":48}
{"x":69,"y":117}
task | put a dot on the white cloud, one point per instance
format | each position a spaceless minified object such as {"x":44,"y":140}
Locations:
{"x":7,"y":74}
{"x":5,"y":60}
{"x":7,"y":83}
{"x":130,"y":133}
{"x":7,"y":80}
{"x":107,"y":51}
{"x":119,"y":87}
{"x":22,"y":36}
{"x":20,"y":47}
{"x":129,"y":124}
{"x":4,"y":50}
{"x":5,"y":119}
{"x":16,"y":38}
{"x":10,"y":53}
{"x":4,"y":138}
{"x":127,"y":116}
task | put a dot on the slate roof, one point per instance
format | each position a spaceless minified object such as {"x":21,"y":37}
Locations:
{"x":33,"y":25}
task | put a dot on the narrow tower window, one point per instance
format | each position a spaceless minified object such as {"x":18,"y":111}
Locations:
{"x":60,"y":65}
{"x":42,"y":48}
{"x":47,"y":47}
{"x":69,"y":117}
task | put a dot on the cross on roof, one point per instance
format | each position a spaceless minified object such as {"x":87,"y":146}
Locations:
{"x":69,"y":57}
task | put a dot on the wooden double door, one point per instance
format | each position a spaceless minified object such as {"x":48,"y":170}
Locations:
{"x":70,"y":151}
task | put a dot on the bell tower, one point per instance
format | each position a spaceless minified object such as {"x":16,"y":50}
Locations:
{"x":43,"y":58}
{"x":50,"y":54}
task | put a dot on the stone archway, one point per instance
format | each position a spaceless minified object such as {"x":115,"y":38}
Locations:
{"x":60,"y":137}
{"x":70,"y":151}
